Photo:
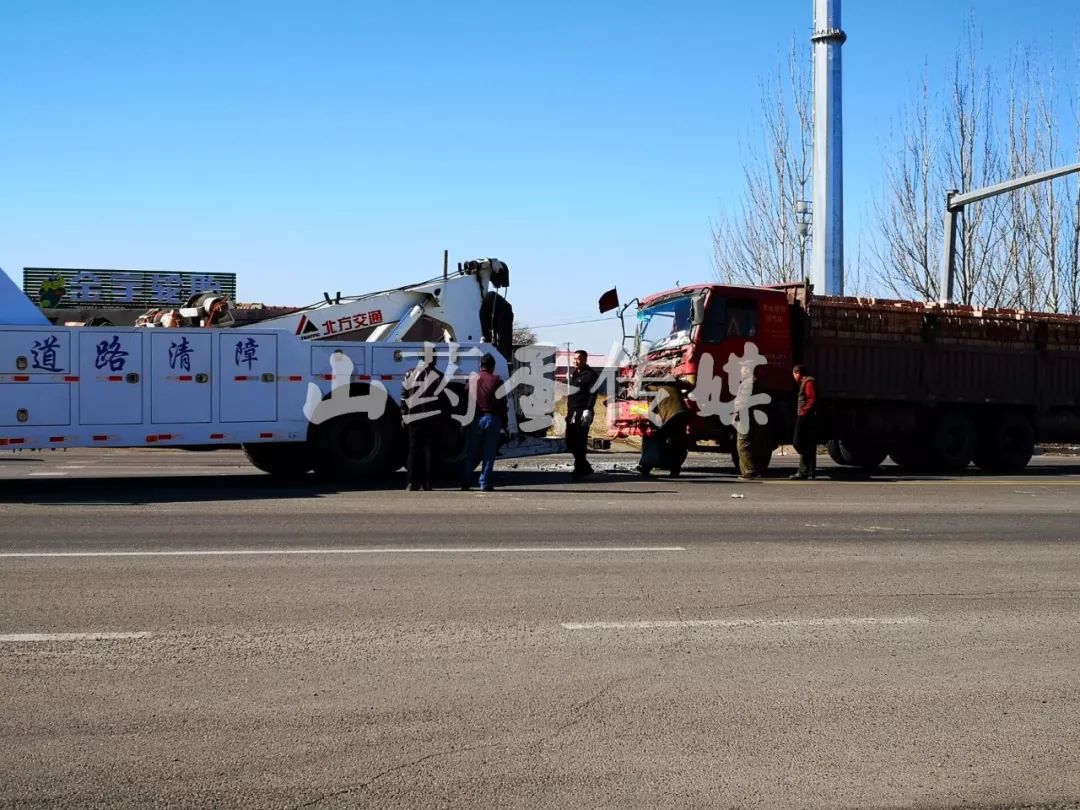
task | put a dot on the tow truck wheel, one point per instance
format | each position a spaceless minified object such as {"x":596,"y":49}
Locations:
{"x":355,"y":446}
{"x":450,"y":449}
{"x":280,"y":459}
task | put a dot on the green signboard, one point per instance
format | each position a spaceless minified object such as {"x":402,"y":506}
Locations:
{"x":66,"y":288}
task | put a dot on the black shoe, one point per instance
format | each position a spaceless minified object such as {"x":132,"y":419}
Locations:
{"x":675,"y":473}
{"x":465,"y":487}
{"x":799,"y":477}
{"x":412,"y":488}
{"x":487,"y":489}
{"x":645,"y":471}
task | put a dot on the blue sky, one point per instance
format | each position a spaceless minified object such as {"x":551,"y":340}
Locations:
{"x":343,"y":145}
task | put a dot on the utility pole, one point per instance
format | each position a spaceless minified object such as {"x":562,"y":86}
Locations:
{"x":804,"y":217}
{"x":954,"y":205}
{"x":827,"y":259}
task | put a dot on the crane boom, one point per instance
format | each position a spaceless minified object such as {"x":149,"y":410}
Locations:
{"x":453,"y":302}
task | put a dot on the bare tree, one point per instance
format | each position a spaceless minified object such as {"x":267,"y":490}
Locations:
{"x":943,"y":145}
{"x":1039,"y":257}
{"x":523,"y":336}
{"x":903,"y":255}
{"x":1072,"y":260}
{"x":759,"y":243}
{"x":971,"y":160}
{"x":1055,"y":220}
{"x":1018,"y":250}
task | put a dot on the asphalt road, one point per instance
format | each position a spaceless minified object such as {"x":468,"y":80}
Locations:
{"x":176,"y":631}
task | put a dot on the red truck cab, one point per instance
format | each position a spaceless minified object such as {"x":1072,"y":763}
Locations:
{"x":677,"y":328}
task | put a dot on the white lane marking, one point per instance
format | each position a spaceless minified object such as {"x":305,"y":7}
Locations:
{"x":20,"y":637}
{"x":46,"y":474}
{"x":734,"y":623}
{"x":285,"y":551}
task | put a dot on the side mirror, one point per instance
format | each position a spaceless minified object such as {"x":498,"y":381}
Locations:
{"x":697,"y":311}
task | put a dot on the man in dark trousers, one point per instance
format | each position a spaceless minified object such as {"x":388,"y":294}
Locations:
{"x":580,"y":405}
{"x":424,"y":409}
{"x":666,"y":444}
{"x":805,"y":439}
{"x":490,"y":420}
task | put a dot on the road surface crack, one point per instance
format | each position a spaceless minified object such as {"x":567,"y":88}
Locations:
{"x":410,"y":764}
{"x":577,"y":714}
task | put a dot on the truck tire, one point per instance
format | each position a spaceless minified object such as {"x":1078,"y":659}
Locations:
{"x":354,"y":446}
{"x":738,"y":465}
{"x":1007,"y":443}
{"x":837,"y":454}
{"x":912,"y":456}
{"x":764,"y":451}
{"x":864,"y":454}
{"x":953,"y":440}
{"x":853,"y":453}
{"x":280,"y":459}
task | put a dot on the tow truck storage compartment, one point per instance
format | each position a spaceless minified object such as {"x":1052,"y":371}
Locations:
{"x":34,"y":403}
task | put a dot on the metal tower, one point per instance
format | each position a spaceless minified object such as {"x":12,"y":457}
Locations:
{"x":827,"y":262}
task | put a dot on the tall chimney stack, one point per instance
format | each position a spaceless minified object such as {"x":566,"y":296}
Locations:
{"x":827,"y":263}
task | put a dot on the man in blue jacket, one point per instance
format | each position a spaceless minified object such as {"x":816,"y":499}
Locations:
{"x":482,"y":436}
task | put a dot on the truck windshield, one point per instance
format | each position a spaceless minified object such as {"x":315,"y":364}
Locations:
{"x":664,"y":325}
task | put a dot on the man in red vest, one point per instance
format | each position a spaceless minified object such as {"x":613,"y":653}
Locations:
{"x":805,"y":439}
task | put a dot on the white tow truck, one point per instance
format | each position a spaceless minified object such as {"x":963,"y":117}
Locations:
{"x":318,"y":389}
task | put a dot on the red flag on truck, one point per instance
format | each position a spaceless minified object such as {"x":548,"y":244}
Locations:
{"x":609,"y":300}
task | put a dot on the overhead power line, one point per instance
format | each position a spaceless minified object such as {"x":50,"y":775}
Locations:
{"x":570,"y":323}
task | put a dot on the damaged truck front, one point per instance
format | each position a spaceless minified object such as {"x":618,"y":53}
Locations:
{"x":694,"y":339}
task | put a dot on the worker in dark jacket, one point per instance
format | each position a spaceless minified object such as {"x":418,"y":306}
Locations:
{"x":805,"y":439}
{"x":580,"y":408}
{"x":491,"y":419}
{"x":424,"y":409}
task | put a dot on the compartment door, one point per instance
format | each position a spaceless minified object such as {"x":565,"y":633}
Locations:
{"x":110,"y":378}
{"x":180,"y":368}
{"x":32,"y":404}
{"x":248,"y":364}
